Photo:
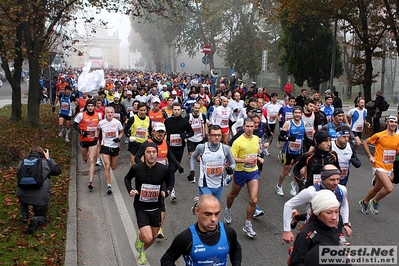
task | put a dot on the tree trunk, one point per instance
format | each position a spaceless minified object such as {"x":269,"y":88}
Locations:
{"x":34,"y":93}
{"x":368,"y":75}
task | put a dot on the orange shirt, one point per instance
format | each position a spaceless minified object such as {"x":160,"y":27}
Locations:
{"x":386,"y":147}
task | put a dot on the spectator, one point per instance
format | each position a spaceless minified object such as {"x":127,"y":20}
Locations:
{"x":37,"y":198}
{"x":288,"y":89}
{"x":337,"y":102}
{"x":377,"y":115}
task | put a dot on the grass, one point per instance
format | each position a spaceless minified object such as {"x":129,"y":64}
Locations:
{"x":47,"y":245}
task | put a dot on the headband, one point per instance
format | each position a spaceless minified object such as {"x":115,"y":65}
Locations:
{"x":327,"y":173}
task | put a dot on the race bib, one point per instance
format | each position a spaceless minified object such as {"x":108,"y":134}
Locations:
{"x":388,"y":157}
{"x":288,"y":116}
{"x":272,"y":118}
{"x":117,"y":116}
{"x":197,"y":129}
{"x":64,"y":106}
{"x":149,"y":193}
{"x":214,"y":169}
{"x":359,"y":128}
{"x":175,"y":140}
{"x":344,"y":171}
{"x":161,"y":160}
{"x":141,"y":132}
{"x":91,"y":131}
{"x":295,"y":145}
{"x":110,"y":134}
{"x":316,"y":178}
{"x":224,"y":122}
{"x":309,"y":132}
{"x":251,"y":156}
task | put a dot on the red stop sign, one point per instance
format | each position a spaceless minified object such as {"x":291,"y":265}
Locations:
{"x":207,"y":49}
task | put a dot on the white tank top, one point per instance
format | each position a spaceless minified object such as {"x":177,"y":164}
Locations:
{"x":344,"y":158}
{"x":211,"y":167}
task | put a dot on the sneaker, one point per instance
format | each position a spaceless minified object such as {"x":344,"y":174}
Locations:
{"x":373,"y":206}
{"x":258,"y":212}
{"x":67,"y":139}
{"x":267,"y":152}
{"x":173,"y":195}
{"x":109,"y":189}
{"x":342,"y":240}
{"x":289,"y":173}
{"x":227,"y":216}
{"x":142,"y":258}
{"x":293,"y":188}
{"x":160,"y":234}
{"x":227,"y":180}
{"x":98,"y":162}
{"x":138,"y":245}
{"x":364,"y":206}
{"x":279,"y":191}
{"x":248,"y":229}
{"x":196,"y":199}
{"x":126,"y":141}
{"x":61,"y":134}
{"x":294,"y":222}
{"x":90,"y":185}
{"x":191,"y":180}
{"x":33,"y":225}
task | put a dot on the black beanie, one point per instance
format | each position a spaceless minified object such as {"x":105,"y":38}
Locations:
{"x":321,"y":136}
{"x":150,"y":144}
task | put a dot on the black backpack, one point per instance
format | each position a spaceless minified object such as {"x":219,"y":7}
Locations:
{"x":30,"y":174}
{"x":384,"y":105}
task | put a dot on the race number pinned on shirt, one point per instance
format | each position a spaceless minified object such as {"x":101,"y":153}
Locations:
{"x":289,"y":116}
{"x":141,"y":132}
{"x":388,"y":157}
{"x":253,"y":157}
{"x":295,"y":145}
{"x":149,"y":193}
{"x":175,"y":140}
{"x":214,"y":169}
{"x":316,"y":178}
{"x":110,"y":134}
{"x":91,"y":131}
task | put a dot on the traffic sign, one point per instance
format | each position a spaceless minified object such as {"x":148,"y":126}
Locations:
{"x":182,"y":65}
{"x":207,"y":49}
{"x":205,"y":59}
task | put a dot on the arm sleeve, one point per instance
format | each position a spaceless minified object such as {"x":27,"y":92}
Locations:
{"x":235,"y":252}
{"x":170,"y":155}
{"x":344,"y":209}
{"x":128,"y":125}
{"x":128,"y":180}
{"x":181,"y":245}
{"x":229,"y":156}
{"x":354,"y":159}
{"x":282,"y":136}
{"x":139,"y":154}
{"x":198,"y":151}
{"x":76,"y":126}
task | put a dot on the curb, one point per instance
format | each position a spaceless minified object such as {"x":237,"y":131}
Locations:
{"x":71,"y":247}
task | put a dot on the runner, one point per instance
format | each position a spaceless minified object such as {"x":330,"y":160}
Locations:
{"x":65,"y":99}
{"x":221,"y":116}
{"x":199,"y":124}
{"x":112,"y":132}
{"x":245,"y":151}
{"x":358,"y":118}
{"x":149,"y":178}
{"x":86,"y":123}
{"x":386,"y":148}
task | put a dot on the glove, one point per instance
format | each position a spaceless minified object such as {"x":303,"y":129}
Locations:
{"x":84,"y":133}
{"x":132,"y":139}
{"x":183,"y":135}
{"x":291,"y":138}
{"x":206,"y":138}
{"x":181,"y":169}
{"x":116,"y":140}
{"x":53,"y":109}
{"x":229,"y":170}
{"x":190,"y":177}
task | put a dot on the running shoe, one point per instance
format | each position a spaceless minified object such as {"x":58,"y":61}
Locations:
{"x":61,"y":133}
{"x":126,"y":141}
{"x":364,"y":206}
{"x":173,"y":195}
{"x":33,"y":225}
{"x":267,"y":152}
{"x":278,"y":145}
{"x":226,"y":180}
{"x":98,"y":162}
{"x":293,"y":188}
{"x":279,"y":191}
{"x":289,"y":173}
{"x":109,"y":189}
{"x":196,"y":199}
{"x":373,"y":206}
{"x":342,"y":240}
{"x":258,"y":212}
{"x":248,"y":229}
{"x":294,"y":222}
{"x":138,"y":245}
{"x":192,"y":180}
{"x":67,"y":139}
{"x":142,"y":258}
{"x":160,"y":234}
{"x":227,"y":216}
{"x":90,"y":185}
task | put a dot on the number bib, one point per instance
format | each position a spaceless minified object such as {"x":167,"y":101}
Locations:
{"x":289,"y":116}
{"x":224,"y":122}
{"x":359,"y":128}
{"x":117,"y":116}
{"x":273,"y":118}
{"x":141,"y":132}
{"x":161,"y":160}
{"x":64,"y":106}
{"x":388,"y":157}
{"x":197,"y":129}
{"x":91,"y":131}
{"x":251,"y":156}
{"x":149,"y":193}
{"x":309,"y":132}
{"x":295,"y":145}
{"x":175,"y":140}
{"x":344,"y":171}
{"x":110,"y":134}
{"x":214,"y":169}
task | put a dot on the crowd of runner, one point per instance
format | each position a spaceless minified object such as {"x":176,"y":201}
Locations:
{"x":227,"y":126}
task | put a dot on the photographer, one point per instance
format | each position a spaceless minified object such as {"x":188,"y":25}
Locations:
{"x":38,"y":197}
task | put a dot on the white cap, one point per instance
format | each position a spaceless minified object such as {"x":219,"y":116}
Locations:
{"x":159,"y":126}
{"x":156,"y":100}
{"x":116,"y":95}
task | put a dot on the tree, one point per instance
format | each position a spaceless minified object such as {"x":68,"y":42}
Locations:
{"x":308,"y":48}
{"x":27,"y":29}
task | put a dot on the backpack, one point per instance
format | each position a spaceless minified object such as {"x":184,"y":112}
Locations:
{"x":30,"y":174}
{"x":384,"y":105}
